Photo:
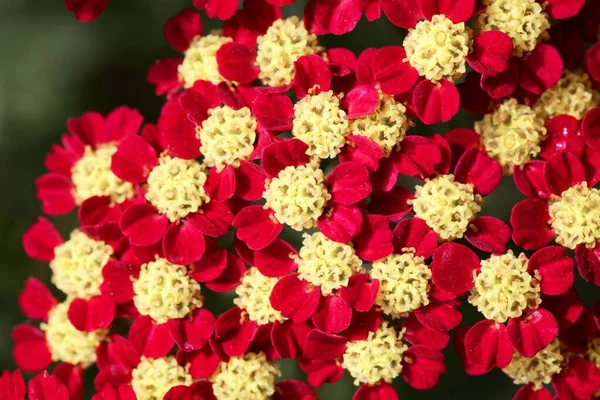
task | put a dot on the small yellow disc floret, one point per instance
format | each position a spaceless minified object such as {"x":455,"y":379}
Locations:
{"x":154,"y":377}
{"x":325,"y":263}
{"x":573,"y":95}
{"x":297,"y":196}
{"x":321,"y":124}
{"x":250,"y":376}
{"x":165,"y":291}
{"x":253,"y":296}
{"x":575,"y":216}
{"x":227,"y":136}
{"x":278,"y":49}
{"x":386,"y":126}
{"x":78,"y":263}
{"x":539,"y":369}
{"x":524,"y":21}
{"x":200,"y":61}
{"x":403,"y":283}
{"x":376,"y":358}
{"x":438,"y":49}
{"x":511,"y":134}
{"x":176,"y":187}
{"x":66,"y":343}
{"x":446,"y":206}
{"x":504,"y":288}
{"x":92,"y":176}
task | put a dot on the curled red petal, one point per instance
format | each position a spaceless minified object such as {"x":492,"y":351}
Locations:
{"x":182,"y":28}
{"x":452,"y":267}
{"x":311,"y":72}
{"x":441,"y":317}
{"x":230,"y":277}
{"x":502,"y":84}
{"x":183,"y":243}
{"x":212,"y":264}
{"x":86,"y":10}
{"x":41,"y":239}
{"x":341,"y":223}
{"x":324,"y":346}
{"x":541,"y":69}
{"x":215,"y":219}
{"x":133,"y":160}
{"x":530,"y":181}
{"x":291,"y":389}
{"x":487,"y":345}
{"x":394,"y":75}
{"x":296,"y":299}
{"x":30,"y":350}
{"x":249,"y":181}
{"x":435,"y":103}
{"x":276,"y":156}
{"x":275,"y":260}
{"x":460,"y":140}
{"x":164,"y":76}
{"x":590,"y":127}
{"x":392,"y":205}
{"x":143,"y":225}
{"x":413,"y":233}
{"x":348,"y":183}
{"x":588,"y":263}
{"x":419,"y":334}
{"x":374,"y":241}
{"x":530,"y":223}
{"x":333,"y":315}
{"x":193,"y":332}
{"x":532,"y":332}
{"x":591,"y":62}
{"x":480,"y":170}
{"x":562,"y":171}
{"x":491,"y":52}
{"x":361,"y":292}
{"x":221,"y":185}
{"x":555,"y":269}
{"x":93,"y":314}
{"x":581,"y":380}
{"x":425,"y":368}
{"x":233,"y":333}
{"x":236,"y":62}
{"x":256,"y":227}
{"x":564,"y":133}
{"x":489,"y":234}
{"x":203,"y":364}
{"x":362,"y":150}
{"x":149,"y":338}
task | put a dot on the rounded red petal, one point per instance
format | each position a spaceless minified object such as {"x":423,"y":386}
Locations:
{"x":527,"y":392}
{"x":143,"y":225}
{"x":487,"y":345}
{"x":413,"y":233}
{"x":118,"y":278}
{"x":337,"y":17}
{"x":561,"y":9}
{"x":276,"y":156}
{"x":295,"y":298}
{"x":592,"y":62}
{"x":456,"y":10}
{"x":183,"y":243}
{"x":490,"y":53}
{"x":221,"y":9}
{"x":566,"y":308}
{"x":275,"y":259}
{"x":256,"y":227}
{"x":564,"y":134}
{"x":288,"y":338}
{"x":361,"y":292}
{"x":361,"y":101}
{"x":47,"y":387}
{"x":275,"y":112}
{"x":36,"y":300}
{"x":86,"y":10}
{"x":562,"y":171}
{"x":30,"y":350}
{"x":90,"y":315}
{"x":480,"y":170}
{"x":203,"y":363}
{"x":291,"y":389}
{"x":419,"y":334}
{"x":215,"y":219}
{"x":460,"y":140}
{"x":532,"y":332}
{"x":250,"y":181}
{"x":212,"y":264}
{"x":192,"y":333}
{"x":581,"y":380}
{"x":425,"y":367}
{"x":555,"y":269}
{"x":236,"y":62}
{"x":530,"y":180}
{"x":402,"y":13}
{"x":178,"y":131}
{"x":588,"y":263}
{"x":233,"y":333}
{"x":452,"y":267}
{"x":230,"y":277}
{"x":488,"y":234}
{"x":341,"y":223}
{"x":530,"y":220}
{"x":55,"y":192}
{"x":441,"y":317}
{"x":333,"y":315}
{"x":149,"y":338}
{"x":541,"y":70}
{"x":380,"y":391}
{"x":362,"y":150}
{"x":502,"y":84}
{"x":393,"y":204}
{"x":182,"y":28}
{"x":435,"y":103}
{"x":311,"y":72}
{"x":348,"y":183}
{"x":72,"y":377}
{"x":134,"y":160}
{"x":324,"y":346}
{"x":164,"y":76}
{"x":41,"y":239}
{"x":590,"y":127}
{"x":374,"y":241}
{"x":221,"y":185}
{"x":394,"y":75}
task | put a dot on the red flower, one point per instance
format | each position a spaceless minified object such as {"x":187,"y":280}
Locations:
{"x":43,"y":386}
{"x":86,"y":10}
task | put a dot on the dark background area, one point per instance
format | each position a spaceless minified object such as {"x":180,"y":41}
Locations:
{"x":52,"y":68}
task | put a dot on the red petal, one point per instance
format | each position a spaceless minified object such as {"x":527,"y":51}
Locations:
{"x":279,"y":155}
{"x":588,"y":263}
{"x":380,"y":391}
{"x":452,"y":267}
{"x":134,"y":160}
{"x":90,"y":315}
{"x":374,"y":241}
{"x":178,"y":131}
{"x":143,"y":225}
{"x":72,"y":377}
{"x":591,"y":163}
{"x":564,"y":134}
{"x":592,"y":62}
{"x":221,"y":185}
{"x":275,"y":112}
{"x":528,"y":392}
{"x":89,"y":127}
{"x":402,"y":13}
{"x":195,"y":102}
{"x":502,"y":84}
{"x":566,"y":308}
{"x":487,"y":345}
{"x":413,"y":233}
{"x":163,"y":75}
{"x":561,"y":9}
{"x":394,"y":75}
{"x":393,"y":204}
{"x":435,"y":103}
{"x":530,"y":181}
{"x":221,"y":9}
{"x":362,"y":150}
{"x":529,"y":219}
{"x":275,"y":259}
{"x":459,"y":346}
{"x":441,"y":317}
{"x":256,"y":227}
{"x":311,"y":72}
{"x":288,"y":338}
{"x":456,"y":10}
{"x":562,"y":171}
{"x":473,"y":97}
{"x":555,"y":269}
{"x":214,"y":221}
{"x":183,"y":243}
{"x":480,"y":170}
{"x":580,"y":381}
{"x":203,"y":363}
{"x":333,"y":315}
{"x":491,"y":52}
{"x":324,"y":346}
{"x":250,"y":181}
{"x":295,"y":298}
{"x":118,"y":280}
{"x":590,"y":126}
{"x":361,"y":101}
{"x":541,"y":70}
{"x":419,"y":334}
{"x":41,"y":239}
{"x":212,"y":264}
{"x":461,"y":140}
{"x":488,"y":234}
{"x":47,"y":387}
{"x":293,"y":390}
{"x":236,"y":62}
{"x":534,"y":331}
{"x":30,"y":350}
{"x":348,"y":183}
{"x":424,"y":370}
{"x":363,"y":323}
{"x":364,"y":67}
{"x":337,"y":17}
{"x":341,"y":223}
{"x":233,"y":333}
{"x":230,"y":277}
{"x":192,"y":333}
{"x":361,"y":292}
{"x":120,"y":123}
{"x":149,"y":338}
{"x":86,"y":10}
{"x":36,"y":300}
{"x":182,"y":28}
{"x":55,"y":192}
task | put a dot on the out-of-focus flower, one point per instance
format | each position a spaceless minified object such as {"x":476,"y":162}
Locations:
{"x":86,"y":10}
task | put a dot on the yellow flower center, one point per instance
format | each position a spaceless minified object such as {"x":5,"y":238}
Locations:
{"x":284,"y":42}
{"x":154,"y":377}
{"x":524,"y":21}
{"x":538,"y":370}
{"x":321,"y":124}
{"x":253,"y":296}
{"x":376,"y":358}
{"x":176,"y":187}
{"x":92,"y":176}
{"x":446,"y":206}
{"x":403,"y":283}
{"x":438,"y":49}
{"x":386,"y":126}
{"x":78,"y":263}
{"x":503,"y":288}
{"x":297,"y":196}
{"x":511,"y":134}
{"x":250,"y":376}
{"x":325,"y":263}
{"x":200,"y":61}
{"x":66,"y":343}
{"x":165,"y":291}
{"x":575,"y":216}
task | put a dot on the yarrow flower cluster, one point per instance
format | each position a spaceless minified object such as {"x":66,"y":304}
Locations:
{"x":272,"y":174}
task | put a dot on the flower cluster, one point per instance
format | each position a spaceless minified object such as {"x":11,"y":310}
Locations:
{"x":273,"y":174}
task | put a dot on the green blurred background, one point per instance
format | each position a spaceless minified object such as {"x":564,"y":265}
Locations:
{"x":52,"y":68}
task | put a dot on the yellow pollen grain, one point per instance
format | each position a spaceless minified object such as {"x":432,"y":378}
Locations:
{"x":539,"y":369}
{"x":253,"y":296}
{"x":154,"y":377}
{"x":285,"y":41}
{"x":573,"y":95}
{"x":325,"y":263}
{"x":297,"y":196}
{"x":376,"y":358}
{"x":446,"y":206}
{"x":403,"y":283}
{"x":320,"y":122}
{"x":511,"y":134}
{"x":575,"y":216}
{"x":250,"y":376}
{"x":438,"y":48}
{"x":77,"y":265}
{"x":503,"y":288}
{"x":66,"y":343}
{"x":176,"y":187}
{"x":92,"y":176}
{"x":200,"y":60}
{"x":227,"y":136}
{"x":165,"y":291}
{"x":386,"y":126}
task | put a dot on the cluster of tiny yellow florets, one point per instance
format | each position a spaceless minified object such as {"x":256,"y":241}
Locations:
{"x":227,"y":136}
{"x":504,"y":288}
{"x":320,"y":122}
{"x":539,"y":369}
{"x":165,"y":291}
{"x":200,"y":61}
{"x":575,"y":216}
{"x":386,"y":126}
{"x":573,"y":95}
{"x":325,"y":263}
{"x":376,"y":358}
{"x":524,"y":21}
{"x":446,"y":206}
{"x":154,"y":377}
{"x":511,"y":134}
{"x":176,"y":187}
{"x":250,"y":376}
{"x":253,"y":297}
{"x":78,"y":263}
{"x":92,"y":176}
{"x":297,"y":196}
{"x":403,"y":283}
{"x":66,"y":343}
{"x":285,"y":41}
{"x":438,"y":48}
